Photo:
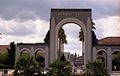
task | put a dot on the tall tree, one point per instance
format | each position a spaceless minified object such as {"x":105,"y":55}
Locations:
{"x":60,"y":67}
{"x":81,"y":33}
{"x":62,"y":40}
{"x":61,"y":37}
{"x":75,"y":55}
{"x":11,"y":55}
{"x":81,"y":36}
{"x":26,"y":66}
{"x":96,"y":68}
{"x":94,"y":38}
{"x":62,"y":58}
{"x":4,"y":60}
{"x":47,"y":38}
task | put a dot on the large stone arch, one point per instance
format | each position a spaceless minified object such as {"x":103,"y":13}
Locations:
{"x":81,"y":17}
{"x":70,"y":20}
{"x":114,"y":63}
{"x":24,"y":49}
{"x":104,"y":53}
{"x":115,"y":50}
{"x":101,"y":50}
{"x":39,"y":49}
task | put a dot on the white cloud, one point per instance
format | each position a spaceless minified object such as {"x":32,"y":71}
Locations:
{"x":104,"y":1}
{"x":72,"y":32}
{"x":27,"y":31}
{"x":109,"y":26}
{"x":7,"y":39}
{"x":29,"y":9}
{"x":73,"y":46}
{"x":23,"y":23}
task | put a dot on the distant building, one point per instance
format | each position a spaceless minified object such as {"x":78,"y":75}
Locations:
{"x":105,"y":49}
{"x":67,"y":55}
{"x":35,"y":50}
{"x":79,"y":61}
{"x":4,"y":47}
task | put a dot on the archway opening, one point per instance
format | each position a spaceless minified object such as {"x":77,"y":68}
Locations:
{"x":40,"y":57}
{"x":25,"y":53}
{"x":116,"y":61}
{"x":101,"y":55}
{"x":72,"y":47}
{"x":39,"y":53}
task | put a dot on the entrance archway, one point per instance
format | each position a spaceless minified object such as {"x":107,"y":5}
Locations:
{"x":25,"y":52}
{"x":102,"y":55}
{"x":40,"y":57}
{"x":81,"y":17}
{"x":73,"y":49}
{"x":116,"y":60}
{"x":72,"y":32}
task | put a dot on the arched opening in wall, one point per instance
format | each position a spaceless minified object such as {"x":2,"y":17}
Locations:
{"x":40,"y":57}
{"x":71,"y":44}
{"x":25,"y":53}
{"x":116,"y":60}
{"x":101,"y":55}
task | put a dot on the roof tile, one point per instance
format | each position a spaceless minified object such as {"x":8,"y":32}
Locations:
{"x":109,"y":41}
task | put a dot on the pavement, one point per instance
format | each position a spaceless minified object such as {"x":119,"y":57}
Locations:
{"x":115,"y":74}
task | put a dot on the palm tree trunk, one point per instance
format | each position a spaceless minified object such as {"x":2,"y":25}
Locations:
{"x":83,"y":51}
{"x":59,"y":48}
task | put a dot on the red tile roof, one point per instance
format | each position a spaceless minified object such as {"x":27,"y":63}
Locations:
{"x":109,"y":41}
{"x":4,"y":47}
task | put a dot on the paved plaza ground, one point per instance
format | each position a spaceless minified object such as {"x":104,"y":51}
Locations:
{"x":115,"y":74}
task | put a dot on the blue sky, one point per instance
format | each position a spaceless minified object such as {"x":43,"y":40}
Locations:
{"x":28,"y":20}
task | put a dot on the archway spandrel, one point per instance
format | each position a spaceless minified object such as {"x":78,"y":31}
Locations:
{"x":80,"y":14}
{"x":70,"y":20}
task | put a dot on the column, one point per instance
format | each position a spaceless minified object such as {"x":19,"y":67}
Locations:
{"x":52,"y":40}
{"x":46,"y":57}
{"x":88,"y":40}
{"x":32,"y":52}
{"x":17,"y":52}
{"x":94,"y":53}
{"x":109,"y":60}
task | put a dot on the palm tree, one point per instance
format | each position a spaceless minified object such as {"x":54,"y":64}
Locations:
{"x":81,"y":33}
{"x":47,"y":37}
{"x":81,"y":36}
{"x":60,"y":67}
{"x":96,"y":68}
{"x":62,"y":40}
{"x":11,"y":55}
{"x":62,"y":36}
{"x":26,"y":66}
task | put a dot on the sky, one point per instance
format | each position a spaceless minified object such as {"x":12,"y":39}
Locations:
{"x":27,"y":21}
